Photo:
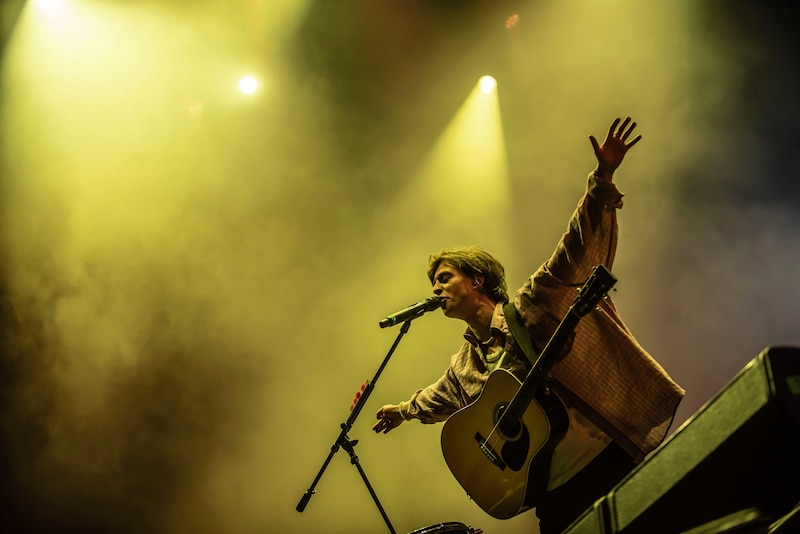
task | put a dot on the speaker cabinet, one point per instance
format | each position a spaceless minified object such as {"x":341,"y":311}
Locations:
{"x":741,"y":451}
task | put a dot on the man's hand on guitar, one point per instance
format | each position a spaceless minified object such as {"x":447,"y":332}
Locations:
{"x":388,"y":418}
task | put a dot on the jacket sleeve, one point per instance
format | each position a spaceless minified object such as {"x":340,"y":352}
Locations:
{"x":591,"y":234}
{"x":459,"y":386}
{"x":436,"y":402}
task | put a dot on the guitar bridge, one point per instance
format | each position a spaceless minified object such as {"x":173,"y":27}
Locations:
{"x":489,"y":452}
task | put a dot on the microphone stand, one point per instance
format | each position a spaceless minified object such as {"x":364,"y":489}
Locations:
{"x":348,"y":444}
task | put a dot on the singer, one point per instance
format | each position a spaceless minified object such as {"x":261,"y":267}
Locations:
{"x":616,"y":403}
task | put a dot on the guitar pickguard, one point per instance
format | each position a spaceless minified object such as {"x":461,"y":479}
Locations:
{"x":513,"y":453}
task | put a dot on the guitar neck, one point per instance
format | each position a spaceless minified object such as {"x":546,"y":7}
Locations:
{"x":598,"y":284}
{"x":536,"y":376}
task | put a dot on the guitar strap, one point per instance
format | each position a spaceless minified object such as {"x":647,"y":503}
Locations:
{"x":539,"y":473}
{"x":519,"y":332}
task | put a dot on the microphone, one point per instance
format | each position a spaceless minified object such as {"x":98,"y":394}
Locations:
{"x":412,"y":312}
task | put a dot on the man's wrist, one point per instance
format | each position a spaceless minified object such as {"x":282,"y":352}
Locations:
{"x":402,"y":408}
{"x":603,"y":173}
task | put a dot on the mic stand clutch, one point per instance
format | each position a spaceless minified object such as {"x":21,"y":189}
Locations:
{"x":348,"y":445}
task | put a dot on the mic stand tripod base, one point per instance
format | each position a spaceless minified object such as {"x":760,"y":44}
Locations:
{"x":349,"y":446}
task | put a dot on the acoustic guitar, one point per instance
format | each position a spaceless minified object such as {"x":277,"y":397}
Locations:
{"x":490,"y":445}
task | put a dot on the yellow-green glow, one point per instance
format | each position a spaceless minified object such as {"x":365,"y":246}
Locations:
{"x":163,"y":232}
{"x":248,"y":85}
{"x":487,"y":84}
{"x":466,"y":171}
{"x":472,"y":146}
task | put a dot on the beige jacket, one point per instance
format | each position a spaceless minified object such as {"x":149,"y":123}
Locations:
{"x":606,"y":374}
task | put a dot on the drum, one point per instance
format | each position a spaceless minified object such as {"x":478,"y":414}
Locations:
{"x":450,"y":526}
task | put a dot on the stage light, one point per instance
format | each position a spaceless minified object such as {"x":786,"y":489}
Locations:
{"x":487,"y":84}
{"x":248,"y":85}
{"x":467,"y":166}
{"x":51,"y":8}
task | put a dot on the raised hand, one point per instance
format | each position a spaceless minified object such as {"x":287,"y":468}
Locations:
{"x":611,"y":153}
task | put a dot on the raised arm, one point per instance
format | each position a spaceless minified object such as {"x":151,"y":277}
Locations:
{"x":591,"y":235}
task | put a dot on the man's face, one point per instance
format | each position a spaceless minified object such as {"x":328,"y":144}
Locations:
{"x":460,"y":291}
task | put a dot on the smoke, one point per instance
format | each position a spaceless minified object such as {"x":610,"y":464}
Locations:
{"x":192,"y":280}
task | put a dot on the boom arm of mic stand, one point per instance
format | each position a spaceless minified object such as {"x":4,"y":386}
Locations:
{"x":346,"y":443}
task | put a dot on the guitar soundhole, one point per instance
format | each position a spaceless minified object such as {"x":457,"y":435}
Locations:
{"x":510,"y":427}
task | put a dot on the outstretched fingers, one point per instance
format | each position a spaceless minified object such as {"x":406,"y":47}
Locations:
{"x":622,"y":133}
{"x":625,"y":130}
{"x":595,"y":144}
{"x":635,"y":140}
{"x":612,"y":128}
{"x":611,"y":152}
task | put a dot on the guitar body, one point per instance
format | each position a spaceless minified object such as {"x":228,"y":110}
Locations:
{"x":492,"y":467}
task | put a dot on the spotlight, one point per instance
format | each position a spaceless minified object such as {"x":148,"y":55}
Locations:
{"x":51,"y":8}
{"x":487,"y":84}
{"x":248,"y":85}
